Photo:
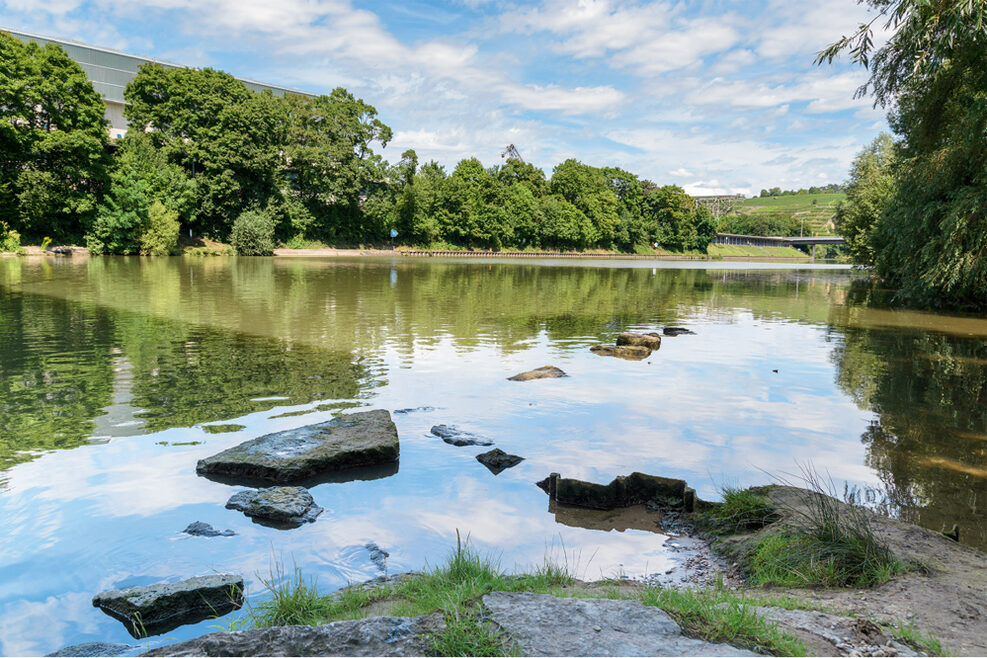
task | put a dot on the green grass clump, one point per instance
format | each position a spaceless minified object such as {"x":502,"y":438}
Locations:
{"x":717,"y":615}
{"x":297,"y":601}
{"x":924,"y":642}
{"x":465,"y":634}
{"x":741,"y":510}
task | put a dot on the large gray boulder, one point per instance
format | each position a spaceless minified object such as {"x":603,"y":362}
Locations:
{"x":375,"y":636}
{"x":543,"y":625}
{"x":281,"y":507}
{"x":159,"y":608}
{"x":365,"y":438}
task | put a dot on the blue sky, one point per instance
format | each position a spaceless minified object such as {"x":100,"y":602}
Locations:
{"x":717,"y":96}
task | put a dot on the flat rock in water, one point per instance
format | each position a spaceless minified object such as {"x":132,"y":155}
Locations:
{"x":545,"y":372}
{"x":200,"y":529}
{"x":87,"y":649}
{"x":678,"y":331}
{"x":652,"y":341}
{"x":546,"y":626}
{"x":497,"y":460}
{"x":457,"y":437}
{"x":629,"y":352}
{"x":365,"y":438}
{"x":159,"y":608}
{"x":374,"y":636}
{"x":284,"y":507}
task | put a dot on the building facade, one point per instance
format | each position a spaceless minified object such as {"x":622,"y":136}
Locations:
{"x":111,"y":70}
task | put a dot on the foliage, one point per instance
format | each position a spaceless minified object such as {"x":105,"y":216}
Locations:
{"x":52,"y":139}
{"x":868,"y":191}
{"x":253,"y":234}
{"x":10,"y":240}
{"x":760,"y":224}
{"x":815,"y":189}
{"x":160,"y":236}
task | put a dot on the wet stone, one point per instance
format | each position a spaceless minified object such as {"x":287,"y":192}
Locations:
{"x":628,"y":352}
{"x":281,"y":507}
{"x":200,"y":529}
{"x":678,"y":331}
{"x":545,"y":372}
{"x":497,"y":460}
{"x":457,"y":437}
{"x":377,"y":555}
{"x":87,"y":649}
{"x":652,"y":341}
{"x":353,"y":440}
{"x":159,"y":608}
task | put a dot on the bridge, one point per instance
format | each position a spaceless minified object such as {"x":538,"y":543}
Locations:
{"x":777,"y":241}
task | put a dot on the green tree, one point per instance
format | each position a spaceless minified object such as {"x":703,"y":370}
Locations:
{"x":53,"y":137}
{"x":587,"y":189}
{"x":868,"y":191}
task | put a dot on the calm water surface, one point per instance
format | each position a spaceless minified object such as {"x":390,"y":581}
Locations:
{"x":112,"y":370}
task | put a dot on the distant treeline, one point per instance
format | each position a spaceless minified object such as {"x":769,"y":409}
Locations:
{"x":777,"y":191}
{"x":206,"y":155}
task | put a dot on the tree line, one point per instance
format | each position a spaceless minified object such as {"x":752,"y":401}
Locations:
{"x":916,"y":207}
{"x":815,"y":189}
{"x":206,"y":156}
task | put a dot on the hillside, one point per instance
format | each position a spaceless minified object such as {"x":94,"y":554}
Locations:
{"x":816,"y":209}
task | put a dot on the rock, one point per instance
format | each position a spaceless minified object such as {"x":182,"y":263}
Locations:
{"x":497,"y":460}
{"x":413,"y":410}
{"x":629,"y":352}
{"x":457,"y":437}
{"x":545,"y":372}
{"x":677,"y":331}
{"x":374,"y":636}
{"x":351,"y":440}
{"x":623,"y":491}
{"x":200,"y":529}
{"x":652,"y":341}
{"x":834,"y":634}
{"x":161,"y":607}
{"x":547,"y":626}
{"x":87,"y":649}
{"x":284,"y":507}
{"x":378,"y":555}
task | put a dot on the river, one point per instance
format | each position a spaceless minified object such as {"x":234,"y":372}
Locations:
{"x":113,"y":369}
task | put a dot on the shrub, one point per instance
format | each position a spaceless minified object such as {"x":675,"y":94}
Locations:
{"x":253,"y":234}
{"x":160,"y":237}
{"x":10,"y":240}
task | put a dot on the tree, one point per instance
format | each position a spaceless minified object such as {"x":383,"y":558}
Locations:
{"x":586,"y":188}
{"x":53,"y":138}
{"x":870,"y":186}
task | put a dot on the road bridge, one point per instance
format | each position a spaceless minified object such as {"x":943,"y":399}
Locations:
{"x":777,"y":241}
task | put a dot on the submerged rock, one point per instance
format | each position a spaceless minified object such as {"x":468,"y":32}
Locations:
{"x":378,"y":555}
{"x":457,"y":437}
{"x":375,"y":636}
{"x":543,"y":625}
{"x":200,"y":529}
{"x":677,"y":331}
{"x":652,"y":341}
{"x":352,"y":440}
{"x":162,"y":607}
{"x":497,"y":460}
{"x":287,"y":507}
{"x":87,"y":649}
{"x":629,"y":352}
{"x":623,"y":491}
{"x":545,"y":372}
{"x":412,"y":410}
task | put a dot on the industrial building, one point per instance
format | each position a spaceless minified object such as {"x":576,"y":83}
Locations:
{"x":111,"y":70}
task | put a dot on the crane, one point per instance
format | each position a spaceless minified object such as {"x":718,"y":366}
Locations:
{"x":511,"y":153}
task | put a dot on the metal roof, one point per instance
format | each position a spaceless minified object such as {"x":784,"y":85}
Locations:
{"x":110,"y":70}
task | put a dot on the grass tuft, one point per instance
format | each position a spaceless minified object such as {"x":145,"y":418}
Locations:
{"x":466,"y":634}
{"x":742,"y":510}
{"x":924,"y":642}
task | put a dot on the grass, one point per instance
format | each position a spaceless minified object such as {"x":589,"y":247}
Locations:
{"x":456,"y":587}
{"x":816,"y":209}
{"x":828,"y":543}
{"x":723,"y":250}
{"x":741,"y":510}
{"x":924,"y":642}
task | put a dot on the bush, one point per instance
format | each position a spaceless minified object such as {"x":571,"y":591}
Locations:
{"x":10,"y":240}
{"x":160,"y":237}
{"x":253,"y":234}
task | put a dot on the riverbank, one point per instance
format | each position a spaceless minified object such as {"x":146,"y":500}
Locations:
{"x":715,"y":252}
{"x":932,"y":602}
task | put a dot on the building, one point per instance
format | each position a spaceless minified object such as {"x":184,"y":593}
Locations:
{"x":111,"y":70}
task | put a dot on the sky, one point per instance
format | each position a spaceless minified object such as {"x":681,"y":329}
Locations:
{"x":717,"y":96}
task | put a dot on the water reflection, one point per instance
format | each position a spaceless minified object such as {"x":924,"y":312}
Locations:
{"x":789,"y":366}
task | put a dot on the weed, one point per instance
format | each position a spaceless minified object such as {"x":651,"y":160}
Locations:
{"x":741,"y":510}
{"x":466,"y":634}
{"x":924,"y":642}
{"x":718,"y":615}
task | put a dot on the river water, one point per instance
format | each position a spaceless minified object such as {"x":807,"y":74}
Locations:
{"x":112,"y":370}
